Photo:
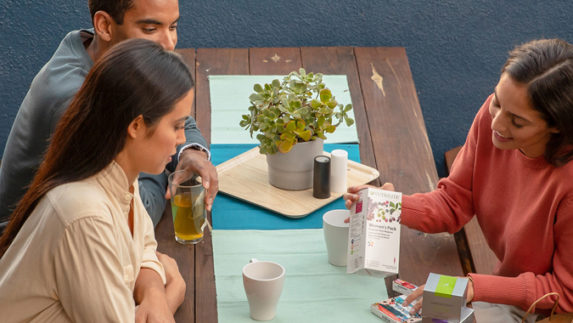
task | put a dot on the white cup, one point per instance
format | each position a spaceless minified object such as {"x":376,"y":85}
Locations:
{"x":263,"y":281}
{"x":336,"y":236}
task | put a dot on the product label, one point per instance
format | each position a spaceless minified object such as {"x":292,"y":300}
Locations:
{"x":374,"y":239}
{"x":445,"y":286}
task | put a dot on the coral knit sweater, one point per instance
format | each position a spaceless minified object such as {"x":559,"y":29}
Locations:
{"x":525,"y":209}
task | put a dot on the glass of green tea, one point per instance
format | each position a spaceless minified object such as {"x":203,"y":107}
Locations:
{"x":187,"y":207}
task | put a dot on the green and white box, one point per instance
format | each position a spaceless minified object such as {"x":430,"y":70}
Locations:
{"x":444,"y":297}
{"x":374,"y":231}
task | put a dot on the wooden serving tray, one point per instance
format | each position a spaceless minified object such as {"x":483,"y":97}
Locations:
{"x":245,"y":177}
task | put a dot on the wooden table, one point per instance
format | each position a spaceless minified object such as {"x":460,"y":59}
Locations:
{"x":392,"y":137}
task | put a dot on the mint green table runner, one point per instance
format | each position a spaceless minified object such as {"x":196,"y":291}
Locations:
{"x":314,"y":290}
{"x":230,"y":99}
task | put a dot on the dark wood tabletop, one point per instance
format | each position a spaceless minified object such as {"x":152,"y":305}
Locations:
{"x":392,"y":137}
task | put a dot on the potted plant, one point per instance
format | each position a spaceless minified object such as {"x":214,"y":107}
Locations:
{"x":291,"y":119}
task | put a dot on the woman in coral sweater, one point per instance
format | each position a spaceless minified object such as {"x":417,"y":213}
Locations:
{"x":514,"y":174}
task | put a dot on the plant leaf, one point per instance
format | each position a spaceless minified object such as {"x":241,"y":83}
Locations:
{"x":305,"y":135}
{"x":256,"y":97}
{"x":325,"y":95}
{"x":291,"y":126}
{"x":315,"y":104}
{"x":284,"y":146}
{"x":288,"y":136}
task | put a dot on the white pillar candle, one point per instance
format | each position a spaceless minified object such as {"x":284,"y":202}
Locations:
{"x":338,"y":166}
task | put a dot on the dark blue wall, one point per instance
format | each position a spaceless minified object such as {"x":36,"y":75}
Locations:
{"x":455,"y":47}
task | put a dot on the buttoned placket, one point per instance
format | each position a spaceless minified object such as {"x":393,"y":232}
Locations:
{"x":130,"y":217}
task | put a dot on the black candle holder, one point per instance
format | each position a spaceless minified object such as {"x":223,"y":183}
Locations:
{"x":321,"y":177}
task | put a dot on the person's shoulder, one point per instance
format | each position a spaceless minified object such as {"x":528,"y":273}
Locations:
{"x":554,"y":179}
{"x":562,"y":188}
{"x":71,"y":49}
{"x":79,"y":200}
{"x":565,"y":171}
{"x":479,"y":134}
{"x":483,"y":113}
{"x":62,"y":76}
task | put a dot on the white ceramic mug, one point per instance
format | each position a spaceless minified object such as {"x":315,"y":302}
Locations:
{"x":263,"y":281}
{"x":336,"y":236}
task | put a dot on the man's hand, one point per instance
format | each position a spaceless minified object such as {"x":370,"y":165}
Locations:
{"x":196,"y":162}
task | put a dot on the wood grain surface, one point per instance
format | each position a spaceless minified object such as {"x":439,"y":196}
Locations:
{"x":392,"y":136}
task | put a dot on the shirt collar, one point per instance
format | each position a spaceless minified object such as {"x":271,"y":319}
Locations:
{"x":114,"y":180}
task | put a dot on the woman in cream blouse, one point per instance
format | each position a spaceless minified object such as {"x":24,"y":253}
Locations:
{"x":80,"y":246}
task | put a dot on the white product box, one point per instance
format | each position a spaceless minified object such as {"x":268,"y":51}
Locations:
{"x":444,"y":297}
{"x":374,"y":233}
{"x":403,"y":287}
{"x":392,"y":310}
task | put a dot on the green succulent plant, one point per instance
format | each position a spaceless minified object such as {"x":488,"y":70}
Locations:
{"x":298,"y":109}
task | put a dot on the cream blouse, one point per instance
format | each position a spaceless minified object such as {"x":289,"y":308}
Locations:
{"x":74,"y":259}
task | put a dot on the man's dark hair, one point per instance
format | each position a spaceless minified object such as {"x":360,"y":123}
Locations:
{"x":115,"y":8}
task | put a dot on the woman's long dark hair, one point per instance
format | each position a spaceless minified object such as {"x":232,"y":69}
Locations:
{"x":546,"y":67}
{"x":135,"y":77}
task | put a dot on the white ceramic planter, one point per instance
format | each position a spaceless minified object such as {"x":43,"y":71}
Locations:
{"x":293,"y":170}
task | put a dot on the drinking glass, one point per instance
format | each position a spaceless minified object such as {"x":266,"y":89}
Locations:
{"x":187,"y":207}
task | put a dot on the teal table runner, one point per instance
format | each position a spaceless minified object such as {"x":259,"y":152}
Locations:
{"x":231,"y":213}
{"x":230,"y":99}
{"x":314,"y":290}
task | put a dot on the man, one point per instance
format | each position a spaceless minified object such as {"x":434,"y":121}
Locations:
{"x":58,"y":81}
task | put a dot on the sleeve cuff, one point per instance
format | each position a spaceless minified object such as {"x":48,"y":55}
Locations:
{"x":195,"y":146}
{"x":514,"y":290}
{"x":150,"y":261}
